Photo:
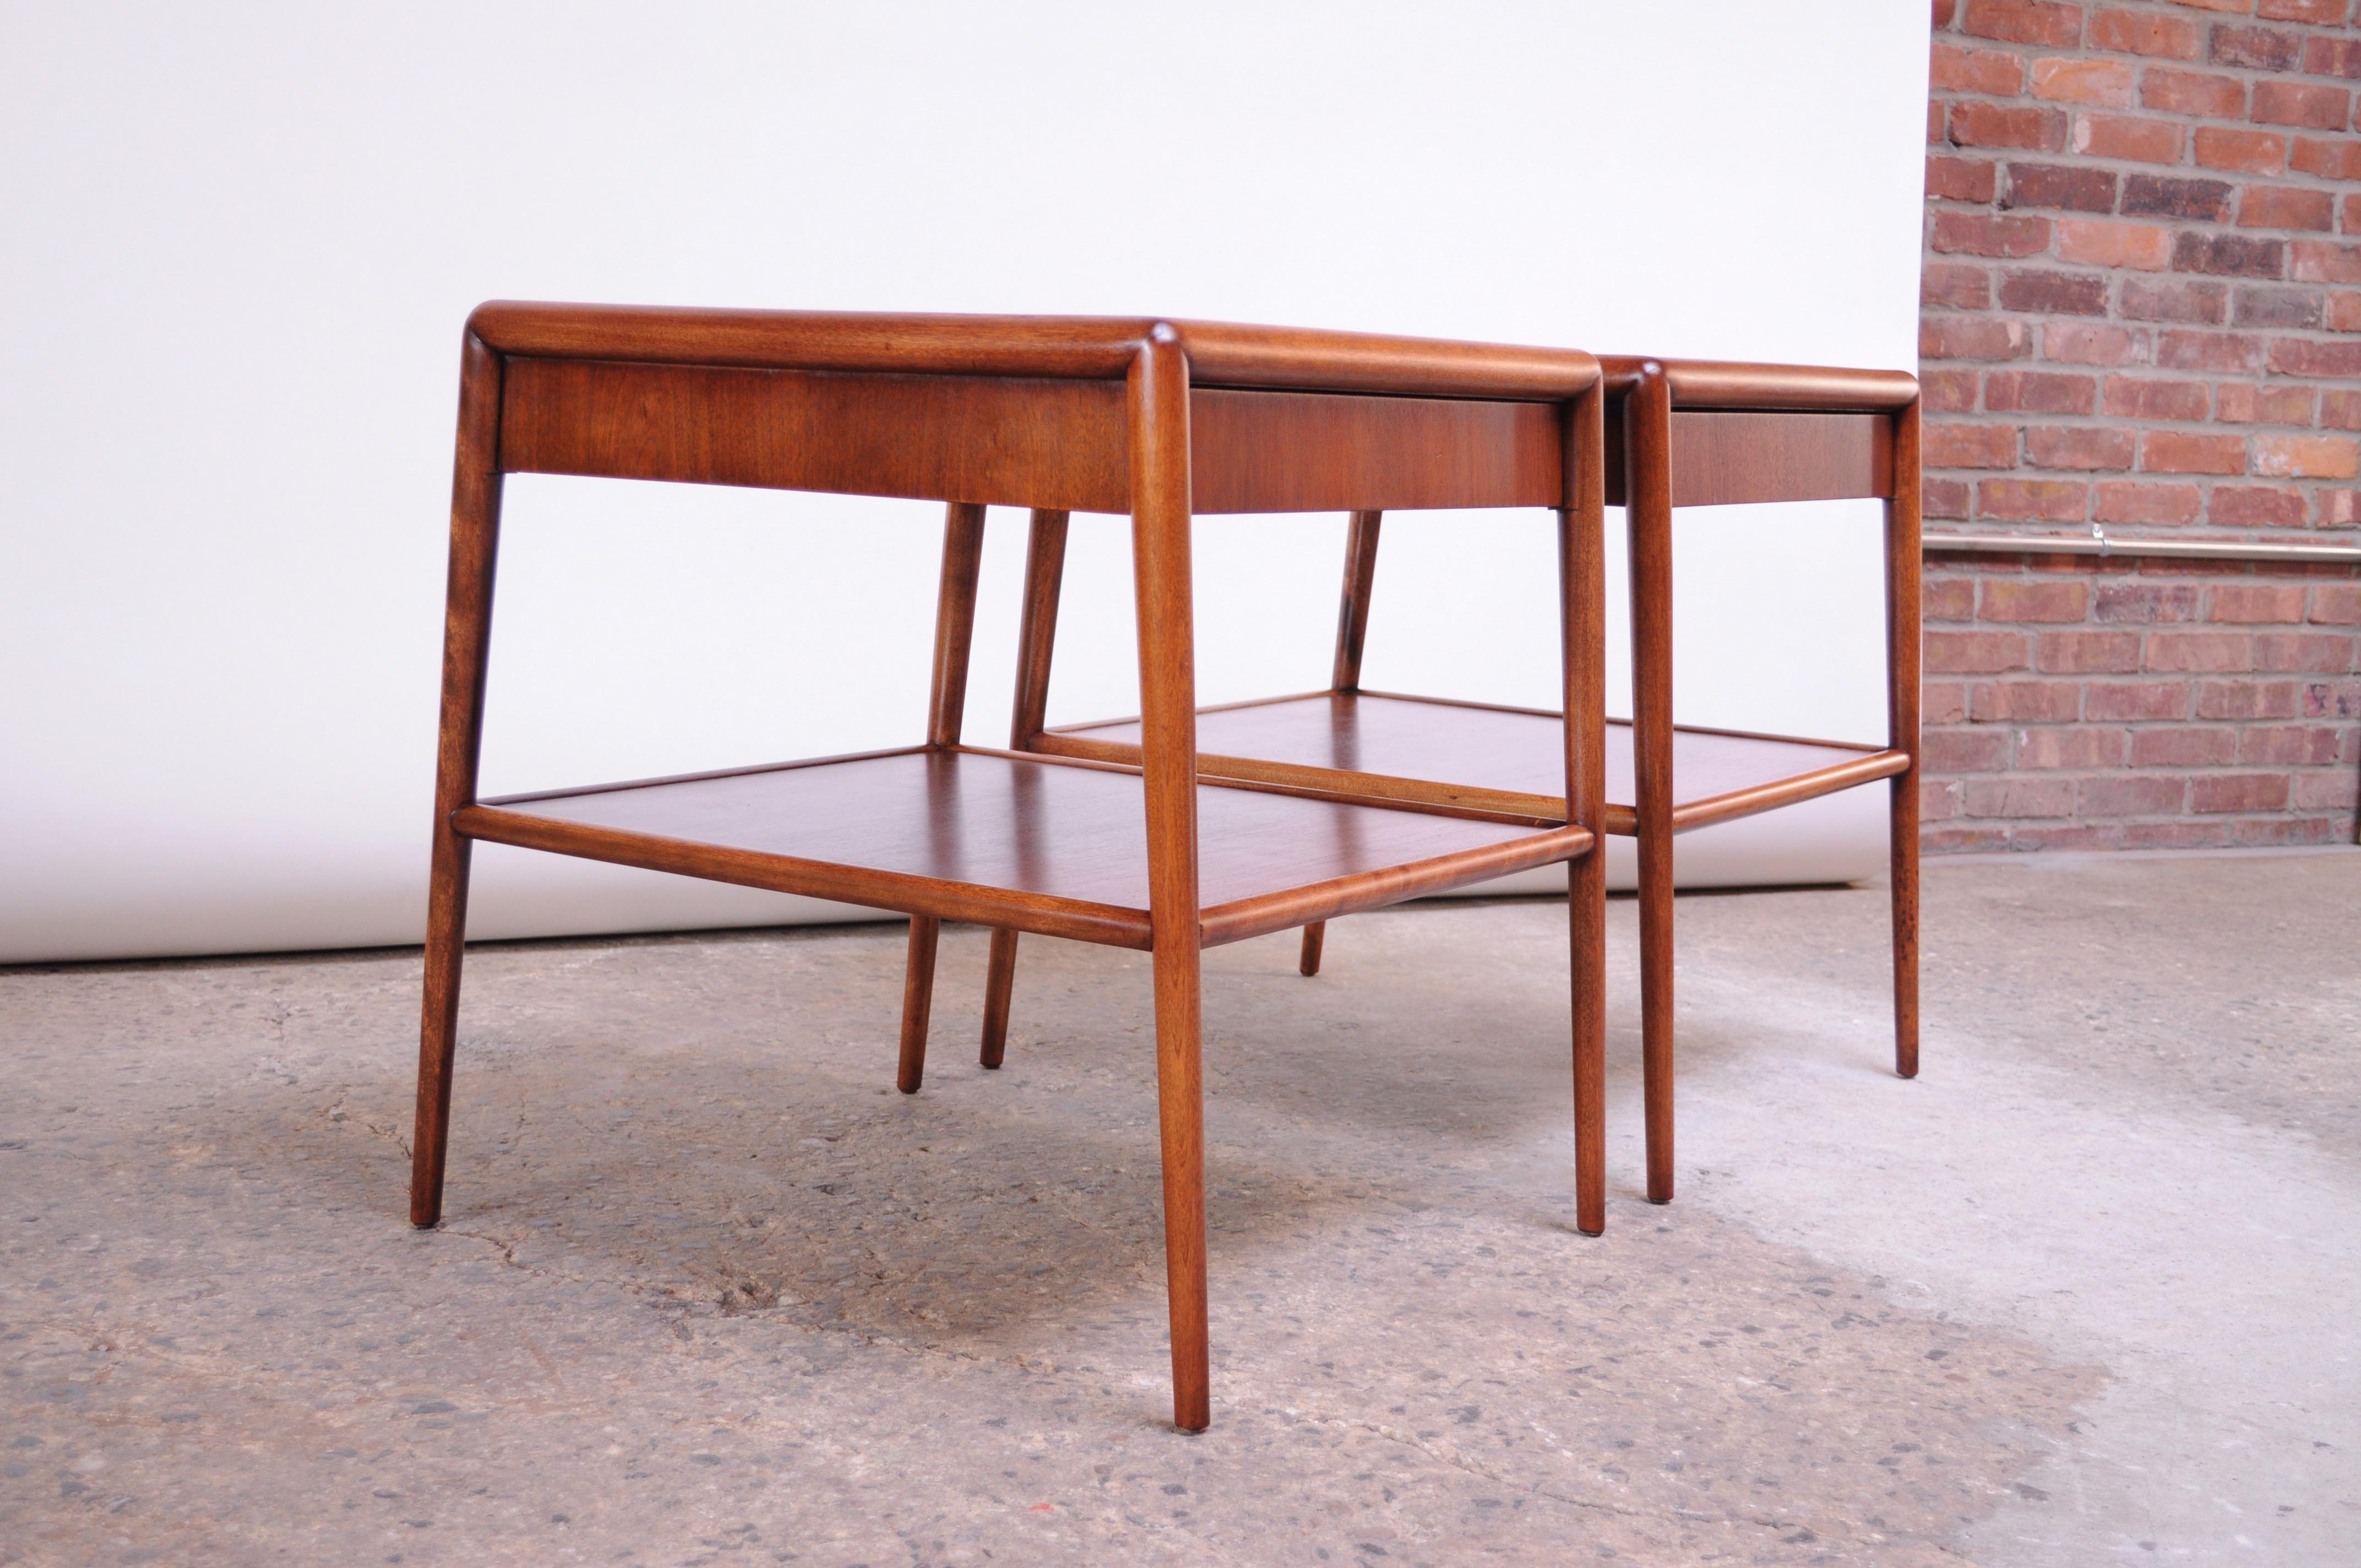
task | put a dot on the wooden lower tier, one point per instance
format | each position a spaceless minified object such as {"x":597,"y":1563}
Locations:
{"x":1037,"y":843}
{"x":1381,"y":746}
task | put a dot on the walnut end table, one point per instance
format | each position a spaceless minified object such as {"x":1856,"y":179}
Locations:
{"x":1155,"y":419}
{"x":1680,"y":433}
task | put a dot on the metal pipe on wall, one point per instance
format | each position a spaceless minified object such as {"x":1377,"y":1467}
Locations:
{"x":2099,"y":543}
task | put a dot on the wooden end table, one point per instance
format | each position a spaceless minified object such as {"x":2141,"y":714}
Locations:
{"x":1156,"y":419}
{"x":1681,"y":434}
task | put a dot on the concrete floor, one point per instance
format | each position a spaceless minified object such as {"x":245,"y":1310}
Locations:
{"x":709,"y":1292}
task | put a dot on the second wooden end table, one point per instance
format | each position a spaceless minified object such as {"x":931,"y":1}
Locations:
{"x":1681,"y":434}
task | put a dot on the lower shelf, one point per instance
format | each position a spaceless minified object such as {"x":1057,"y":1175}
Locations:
{"x":1403,"y":748}
{"x":1039,"y":843}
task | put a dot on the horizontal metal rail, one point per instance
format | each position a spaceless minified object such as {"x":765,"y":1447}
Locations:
{"x":2098,"y":542}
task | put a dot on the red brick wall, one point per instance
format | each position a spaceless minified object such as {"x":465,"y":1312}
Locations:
{"x":2141,"y":310}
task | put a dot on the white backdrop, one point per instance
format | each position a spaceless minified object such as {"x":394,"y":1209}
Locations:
{"x":240,"y":242}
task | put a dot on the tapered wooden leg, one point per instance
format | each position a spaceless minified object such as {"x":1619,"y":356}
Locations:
{"x":1647,"y":467}
{"x":1586,"y":904}
{"x":1904,"y":870}
{"x":1353,"y":604}
{"x":1037,"y":638}
{"x":438,"y":1033}
{"x":998,"y":984}
{"x":918,"y":1001}
{"x":1159,"y":395}
{"x":1344,"y":676}
{"x":1181,"y":1115}
{"x":1903,"y":610}
{"x":954,"y":632}
{"x":466,"y":643}
{"x":1582,"y":618}
{"x":1656,"y":1007}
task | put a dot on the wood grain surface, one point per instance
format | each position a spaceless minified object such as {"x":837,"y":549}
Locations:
{"x":1736,"y":384}
{"x":985,"y":821}
{"x":1220,"y":353}
{"x":1281,"y":452}
{"x":1498,"y":758}
{"x":1013,"y":442}
{"x":1034,"y":442}
{"x":1720,"y":458}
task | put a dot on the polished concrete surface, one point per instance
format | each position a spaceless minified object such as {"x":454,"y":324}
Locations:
{"x":708,"y":1291}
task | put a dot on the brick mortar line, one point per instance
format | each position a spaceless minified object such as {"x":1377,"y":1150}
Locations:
{"x":2207,"y":21}
{"x":2327,"y":337}
{"x":2342,"y":240}
{"x":2205,"y":485}
{"x":2025,"y":99}
{"x":2026,"y":55}
{"x":1989,"y":417}
{"x":2315,"y":533}
{"x":2253,"y":76}
{"x":2098,"y":163}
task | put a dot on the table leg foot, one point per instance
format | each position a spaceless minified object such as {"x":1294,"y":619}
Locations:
{"x":1180,"y":1107}
{"x":917,"y":1000}
{"x":1656,"y":1008}
{"x":998,"y":985}
{"x":1904,"y":879}
{"x":438,"y":1033}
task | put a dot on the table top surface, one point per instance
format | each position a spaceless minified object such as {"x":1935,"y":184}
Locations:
{"x":1225,"y":354}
